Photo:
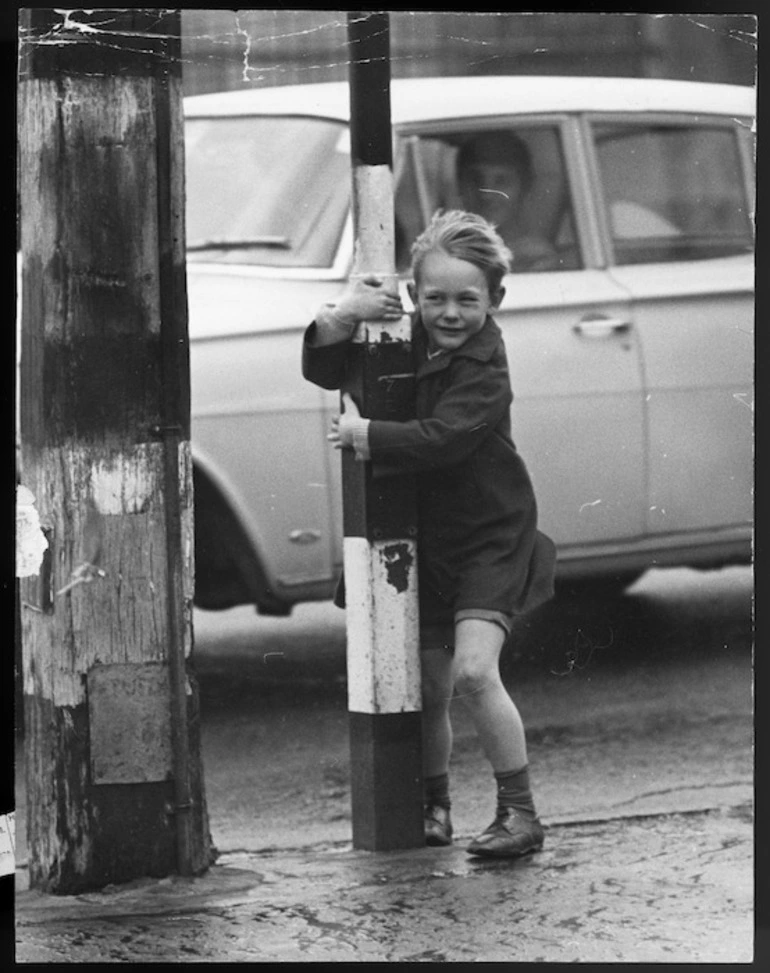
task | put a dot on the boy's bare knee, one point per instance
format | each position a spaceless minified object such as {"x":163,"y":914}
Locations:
{"x":471,"y":680}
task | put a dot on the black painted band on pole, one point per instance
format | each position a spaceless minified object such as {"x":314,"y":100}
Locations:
{"x":380,"y":515}
{"x":370,"y":133}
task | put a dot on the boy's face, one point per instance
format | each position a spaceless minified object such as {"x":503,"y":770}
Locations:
{"x":453,"y":298}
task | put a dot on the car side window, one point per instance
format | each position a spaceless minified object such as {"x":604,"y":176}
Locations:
{"x":672,"y":192}
{"x":514,"y":176}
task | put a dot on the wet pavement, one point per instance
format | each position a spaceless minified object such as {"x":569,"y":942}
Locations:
{"x":663,"y":889}
{"x":641,"y":753}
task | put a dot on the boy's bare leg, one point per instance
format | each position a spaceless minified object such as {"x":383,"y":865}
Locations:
{"x":477,"y":682}
{"x":516,"y":829}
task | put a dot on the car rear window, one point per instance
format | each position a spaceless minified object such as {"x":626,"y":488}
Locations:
{"x":266,"y":190}
{"x":673,"y":192}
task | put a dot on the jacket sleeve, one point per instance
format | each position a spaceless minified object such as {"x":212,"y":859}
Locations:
{"x":324,"y":365}
{"x":477,"y":397}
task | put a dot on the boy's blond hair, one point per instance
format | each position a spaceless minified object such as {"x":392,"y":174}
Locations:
{"x":465,"y":236}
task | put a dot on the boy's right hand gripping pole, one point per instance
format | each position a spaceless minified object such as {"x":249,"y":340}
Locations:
{"x":380,"y":552}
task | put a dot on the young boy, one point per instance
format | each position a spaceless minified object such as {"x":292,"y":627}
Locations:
{"x":481,"y":559}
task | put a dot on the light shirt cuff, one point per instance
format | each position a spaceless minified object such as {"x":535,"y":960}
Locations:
{"x":360,"y":430}
{"x":330,"y":328}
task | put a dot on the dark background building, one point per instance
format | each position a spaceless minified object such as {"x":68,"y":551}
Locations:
{"x":230,"y":49}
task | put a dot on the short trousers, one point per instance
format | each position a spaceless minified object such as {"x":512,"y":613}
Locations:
{"x":441,"y":635}
{"x":438,"y":619}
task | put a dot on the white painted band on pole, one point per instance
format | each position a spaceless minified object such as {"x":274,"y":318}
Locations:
{"x":373,"y":331}
{"x":375,"y":220}
{"x":383,"y":654}
{"x":374,"y":247}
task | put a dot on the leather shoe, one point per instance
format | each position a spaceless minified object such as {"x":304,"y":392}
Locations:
{"x":510,"y":835}
{"x":438,"y":825}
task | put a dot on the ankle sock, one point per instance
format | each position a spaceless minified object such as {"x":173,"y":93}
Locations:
{"x":513,"y":790}
{"x":436,"y":791}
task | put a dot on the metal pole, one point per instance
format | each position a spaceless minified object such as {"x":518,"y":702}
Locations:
{"x":380,"y":515}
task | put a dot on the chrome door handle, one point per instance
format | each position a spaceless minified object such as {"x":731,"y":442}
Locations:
{"x":304,"y":535}
{"x":598,"y":327}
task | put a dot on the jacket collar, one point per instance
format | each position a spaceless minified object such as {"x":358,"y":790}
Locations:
{"x":480,"y":346}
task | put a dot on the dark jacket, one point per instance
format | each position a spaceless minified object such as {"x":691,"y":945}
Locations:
{"x":478,"y":542}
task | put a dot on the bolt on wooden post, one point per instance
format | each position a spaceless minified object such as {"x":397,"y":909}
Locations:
{"x":379,"y":516}
{"x":111,"y":738}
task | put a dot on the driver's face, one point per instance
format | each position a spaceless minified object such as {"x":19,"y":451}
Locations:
{"x":491,"y":189}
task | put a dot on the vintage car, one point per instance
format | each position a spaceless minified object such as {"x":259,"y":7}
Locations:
{"x":630,"y":345}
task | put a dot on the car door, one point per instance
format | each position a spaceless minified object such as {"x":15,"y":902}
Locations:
{"x":677,"y":216}
{"x":578,"y":411}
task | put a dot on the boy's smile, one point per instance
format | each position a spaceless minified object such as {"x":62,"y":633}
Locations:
{"x":454,"y":300}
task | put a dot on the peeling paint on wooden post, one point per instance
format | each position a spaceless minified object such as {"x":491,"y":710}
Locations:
{"x":380,"y":516}
{"x":105,"y":430}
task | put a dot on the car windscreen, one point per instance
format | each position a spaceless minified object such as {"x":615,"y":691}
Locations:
{"x":266,"y":190}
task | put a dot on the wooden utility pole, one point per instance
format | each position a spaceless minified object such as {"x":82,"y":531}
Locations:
{"x":380,"y":516}
{"x":113,"y":772}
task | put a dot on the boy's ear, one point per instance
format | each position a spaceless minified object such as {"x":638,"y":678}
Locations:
{"x":411,"y":289}
{"x":497,"y":296}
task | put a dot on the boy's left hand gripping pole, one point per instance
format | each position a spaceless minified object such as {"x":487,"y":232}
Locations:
{"x":380,"y":552}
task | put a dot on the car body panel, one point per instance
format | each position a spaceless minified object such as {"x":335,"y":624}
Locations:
{"x":254,"y":414}
{"x":695,"y":326}
{"x":416,"y":100}
{"x":578,"y":411}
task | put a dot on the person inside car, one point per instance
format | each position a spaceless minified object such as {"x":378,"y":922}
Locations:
{"x":494,"y":175}
{"x":481,"y":558}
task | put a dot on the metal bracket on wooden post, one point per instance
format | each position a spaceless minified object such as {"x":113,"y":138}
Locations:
{"x":380,"y":516}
